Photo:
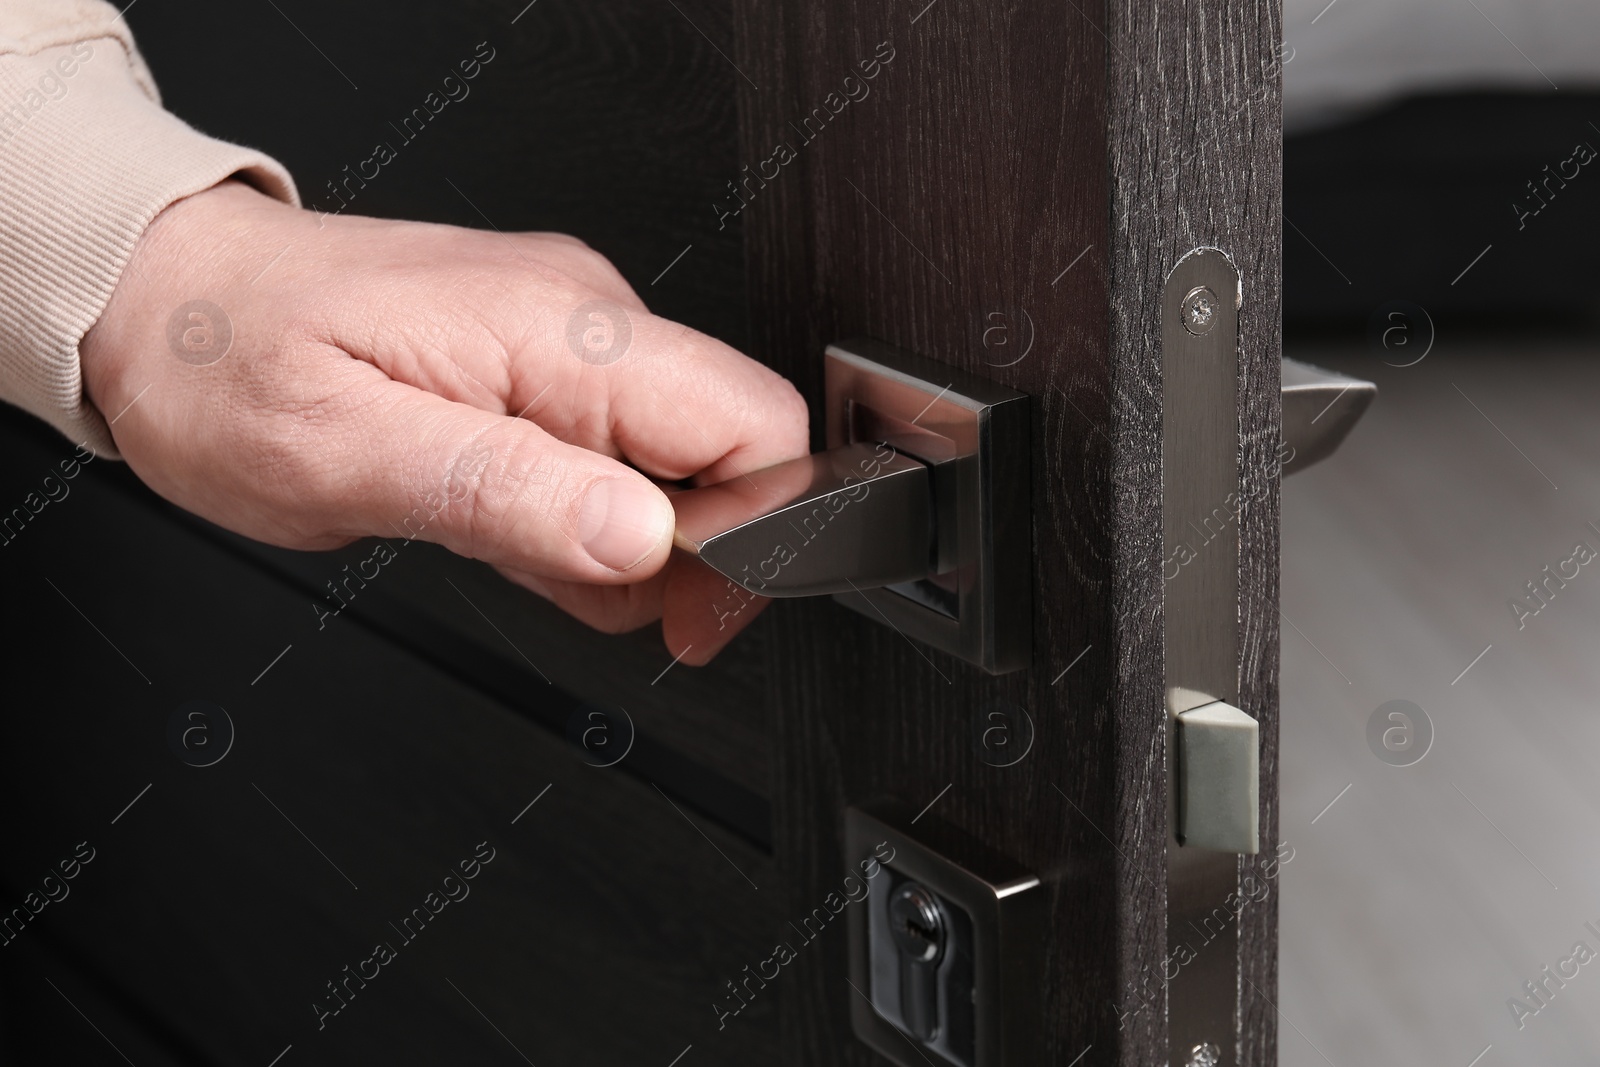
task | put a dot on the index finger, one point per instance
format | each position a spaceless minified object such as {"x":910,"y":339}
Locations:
{"x":684,"y":404}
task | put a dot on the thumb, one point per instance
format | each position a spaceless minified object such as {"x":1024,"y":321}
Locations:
{"x":502,"y":490}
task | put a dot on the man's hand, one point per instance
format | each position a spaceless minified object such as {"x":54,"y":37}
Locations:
{"x":488,"y":392}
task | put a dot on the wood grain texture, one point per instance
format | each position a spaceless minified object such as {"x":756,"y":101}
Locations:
{"x":968,"y":180}
{"x":1006,"y":161}
{"x":1194,"y":117}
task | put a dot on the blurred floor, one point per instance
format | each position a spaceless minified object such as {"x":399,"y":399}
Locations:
{"x":1421,"y":898}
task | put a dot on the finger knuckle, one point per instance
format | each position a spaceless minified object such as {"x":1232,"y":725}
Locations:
{"x":590,"y":270}
{"x":774,"y":412}
{"x":790,"y":412}
{"x":511,"y":488}
{"x":566,"y":239}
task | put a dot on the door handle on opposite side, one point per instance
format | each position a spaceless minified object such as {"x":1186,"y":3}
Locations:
{"x":851,"y":518}
{"x":1319,"y":409}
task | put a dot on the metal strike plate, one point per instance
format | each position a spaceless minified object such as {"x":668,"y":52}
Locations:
{"x":974,"y":436}
{"x":1201,"y":509}
{"x":974,"y":999}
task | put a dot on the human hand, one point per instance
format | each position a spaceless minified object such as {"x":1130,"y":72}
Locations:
{"x":383,"y":378}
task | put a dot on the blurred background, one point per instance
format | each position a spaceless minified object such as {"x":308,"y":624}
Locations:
{"x":1441,"y":217}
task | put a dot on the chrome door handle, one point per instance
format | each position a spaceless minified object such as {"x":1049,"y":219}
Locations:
{"x":917,"y":514}
{"x":851,"y":518}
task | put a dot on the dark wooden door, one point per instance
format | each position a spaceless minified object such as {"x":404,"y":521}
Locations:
{"x":1002,"y":189}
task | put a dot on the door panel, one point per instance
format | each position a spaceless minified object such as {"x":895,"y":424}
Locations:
{"x":1025,"y":175}
{"x":705,"y":730}
{"x":962,"y":186}
{"x":614,"y":122}
{"x":220,"y":902}
{"x":1002,"y":190}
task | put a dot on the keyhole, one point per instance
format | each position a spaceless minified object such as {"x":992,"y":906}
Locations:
{"x":917,"y":923}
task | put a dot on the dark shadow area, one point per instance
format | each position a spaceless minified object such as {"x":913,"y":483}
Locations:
{"x":1475,"y":207}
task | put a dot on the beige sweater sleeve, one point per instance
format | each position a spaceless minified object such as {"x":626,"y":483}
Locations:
{"x":87,"y":159}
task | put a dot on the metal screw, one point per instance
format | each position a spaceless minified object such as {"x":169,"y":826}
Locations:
{"x":1199,"y":310}
{"x":1204,"y":1055}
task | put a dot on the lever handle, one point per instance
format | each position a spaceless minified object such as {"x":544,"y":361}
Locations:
{"x":861,"y":516}
{"x":918,"y":517}
{"x":1319,"y":409}
{"x":851,"y":518}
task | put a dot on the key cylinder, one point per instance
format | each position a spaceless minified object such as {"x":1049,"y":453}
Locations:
{"x":917,"y":925}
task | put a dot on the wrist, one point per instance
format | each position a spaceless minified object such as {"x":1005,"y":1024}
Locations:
{"x":182,"y":256}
